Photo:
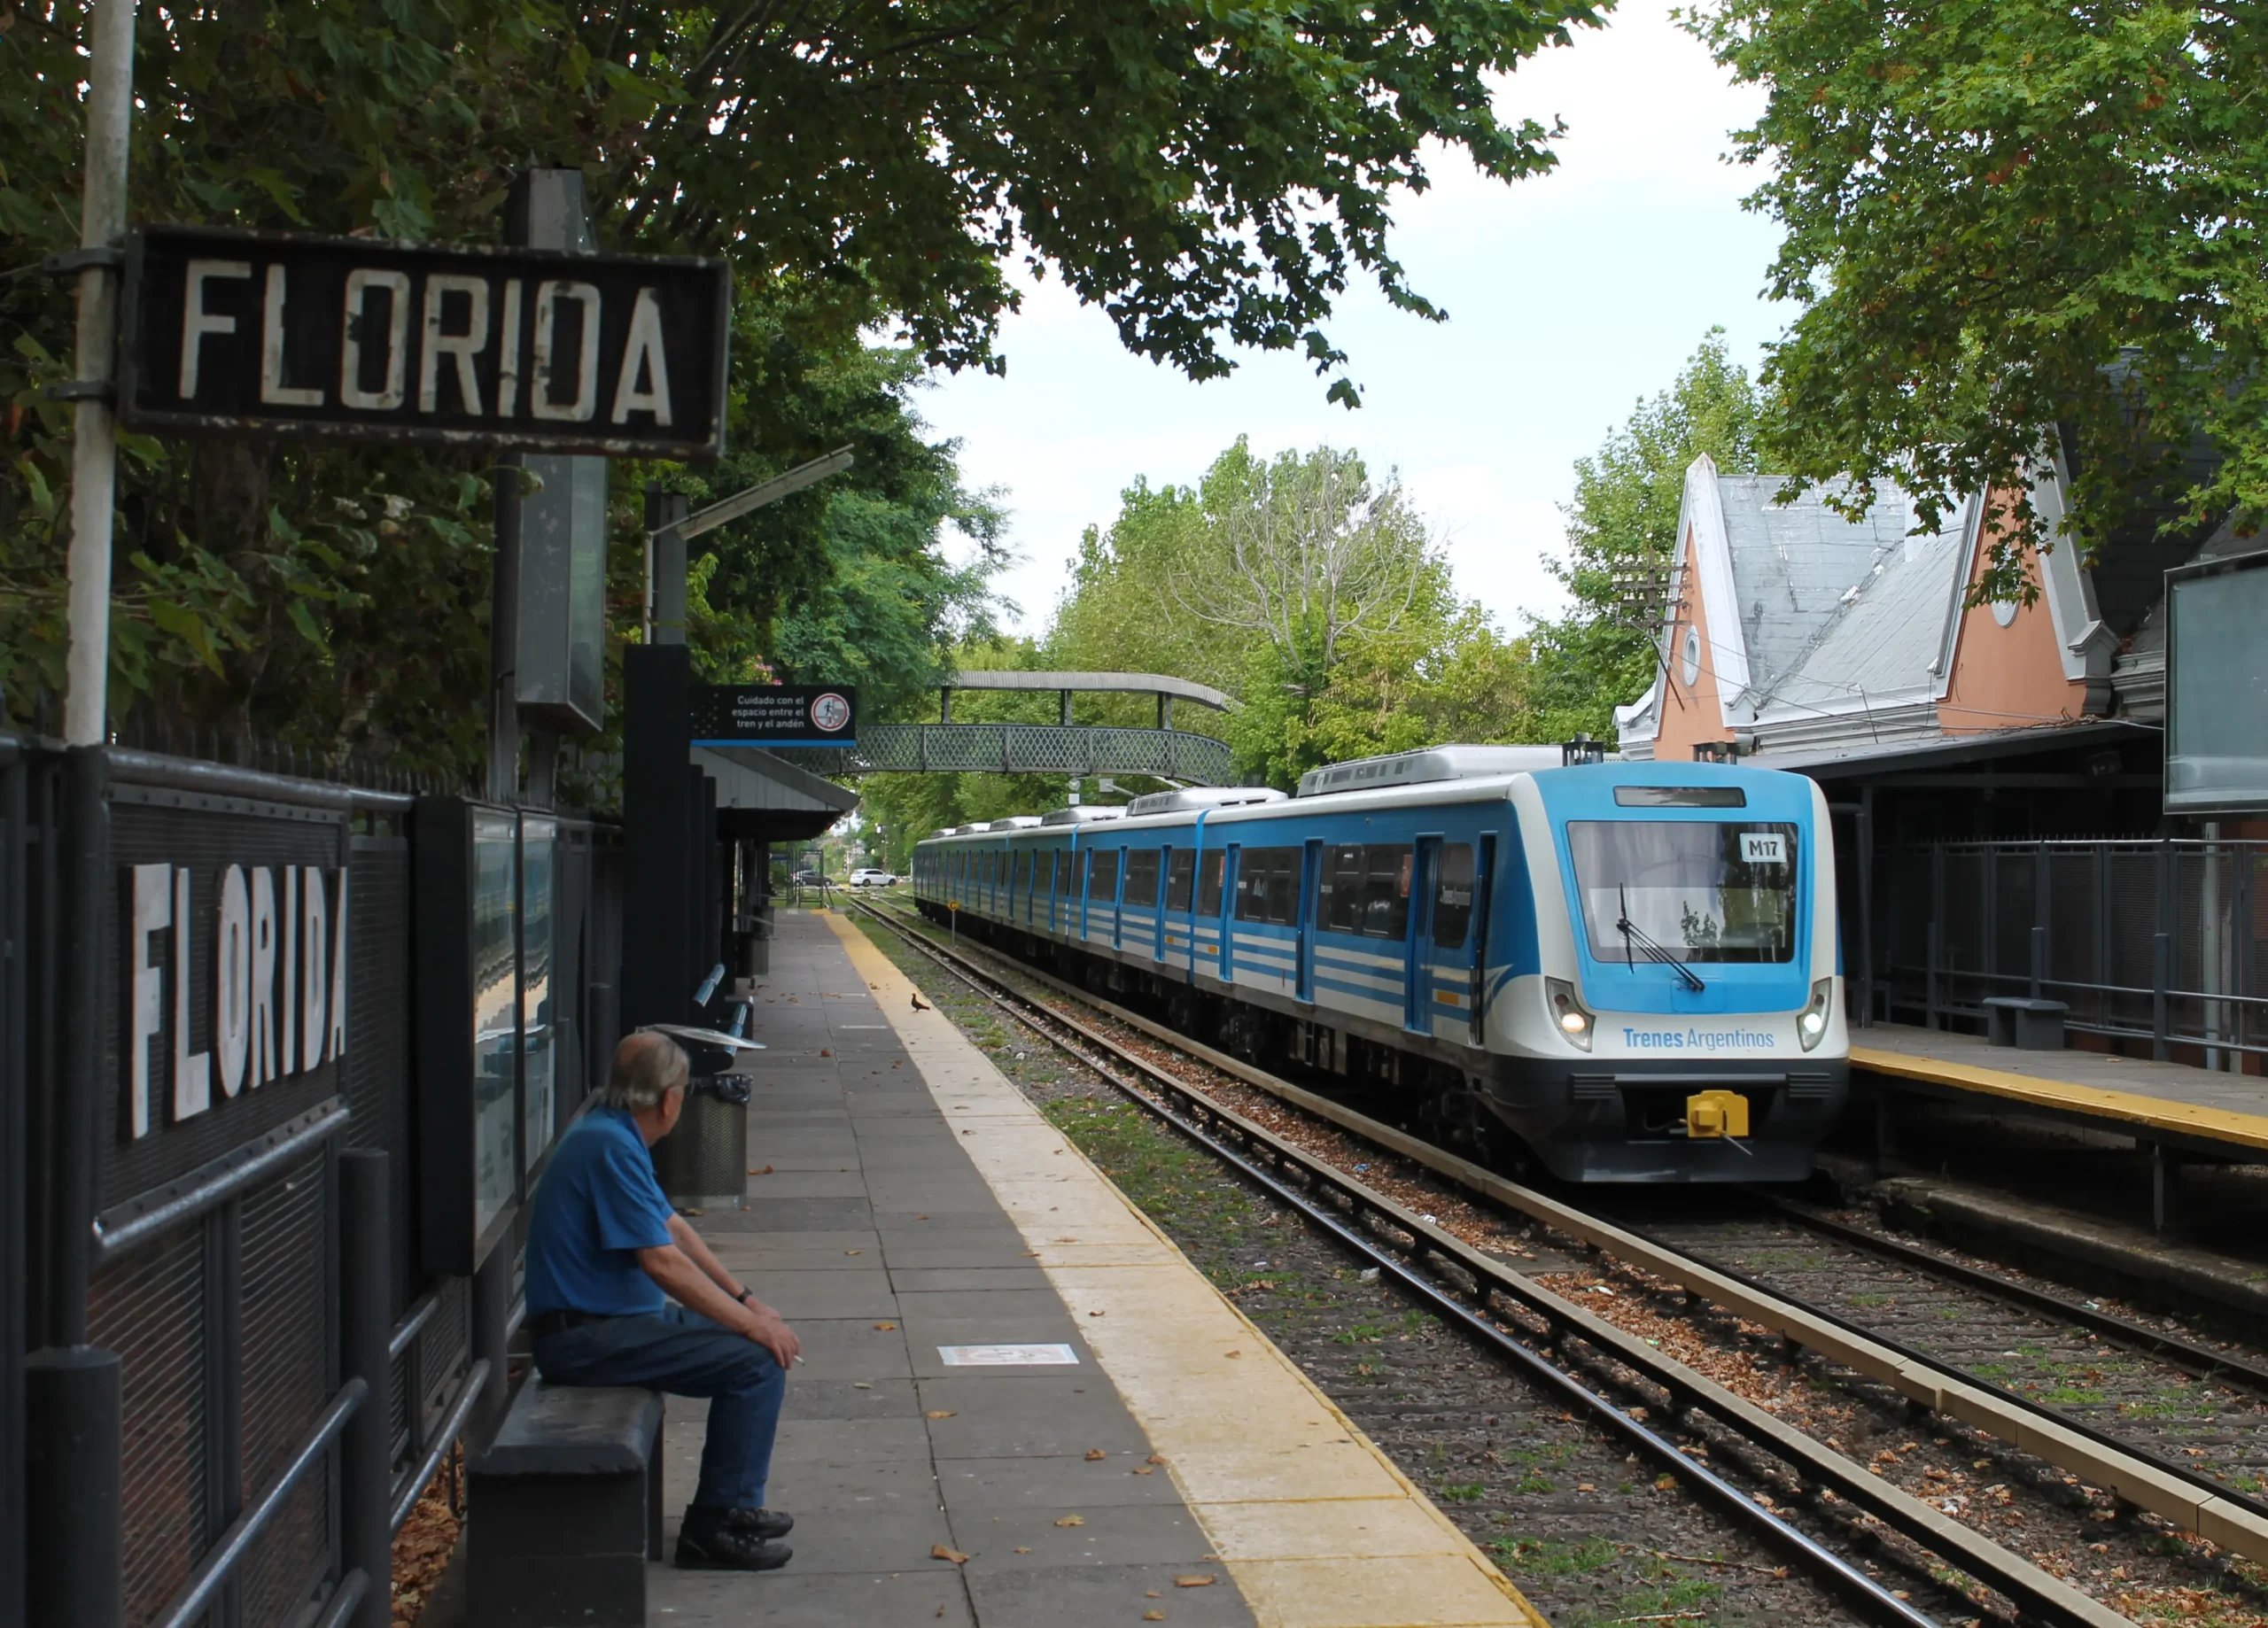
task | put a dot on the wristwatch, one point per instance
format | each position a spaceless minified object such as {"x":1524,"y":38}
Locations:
{"x":745,"y":1296}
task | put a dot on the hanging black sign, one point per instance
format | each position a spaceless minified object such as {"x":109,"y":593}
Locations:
{"x":281,"y":333}
{"x":774,"y":715}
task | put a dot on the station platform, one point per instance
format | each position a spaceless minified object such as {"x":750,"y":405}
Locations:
{"x":1022,"y":1406}
{"x":2171,"y":1106}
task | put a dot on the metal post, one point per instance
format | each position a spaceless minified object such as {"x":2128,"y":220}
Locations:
{"x":86,"y":858}
{"x":365,"y":1330}
{"x":2038,"y":959}
{"x":2161,"y":975}
{"x":1930,"y":986}
{"x":76,"y":1445}
{"x":1866,"y":836}
{"x":491,"y":1314}
{"x":94,"y":436}
{"x":504,"y":636}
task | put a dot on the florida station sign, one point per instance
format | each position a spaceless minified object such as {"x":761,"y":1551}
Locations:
{"x":339,"y":337}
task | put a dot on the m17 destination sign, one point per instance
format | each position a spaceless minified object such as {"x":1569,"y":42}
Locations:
{"x":337,"y":337}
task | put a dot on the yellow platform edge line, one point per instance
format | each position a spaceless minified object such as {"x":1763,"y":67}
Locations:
{"x":879,"y":970}
{"x":2243,"y":1129}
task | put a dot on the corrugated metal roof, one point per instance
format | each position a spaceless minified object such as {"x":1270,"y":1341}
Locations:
{"x":1833,"y":610}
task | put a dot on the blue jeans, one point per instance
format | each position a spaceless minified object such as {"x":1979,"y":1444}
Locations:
{"x":685,"y":1355}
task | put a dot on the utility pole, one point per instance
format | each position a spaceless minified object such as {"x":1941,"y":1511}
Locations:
{"x":94,"y":440}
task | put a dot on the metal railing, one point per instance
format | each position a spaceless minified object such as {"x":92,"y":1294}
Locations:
{"x":2163,"y":940}
{"x":1023,"y":749}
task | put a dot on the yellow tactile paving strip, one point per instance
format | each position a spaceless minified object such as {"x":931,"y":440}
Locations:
{"x":1315,"y":1525}
{"x":2168,"y":1114}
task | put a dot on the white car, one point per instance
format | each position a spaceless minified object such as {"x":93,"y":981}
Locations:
{"x":872,"y":878}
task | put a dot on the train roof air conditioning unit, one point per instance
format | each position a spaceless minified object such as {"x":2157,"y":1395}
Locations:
{"x":1083,"y":814}
{"x":1435,"y":763}
{"x":1190,"y":798}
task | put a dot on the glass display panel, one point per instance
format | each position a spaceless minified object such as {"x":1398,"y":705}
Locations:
{"x":495,"y":1017}
{"x":1453,"y":895}
{"x":538,"y":1054}
{"x":2216,"y":697}
{"x":1706,"y":890}
{"x":1181,"y":878}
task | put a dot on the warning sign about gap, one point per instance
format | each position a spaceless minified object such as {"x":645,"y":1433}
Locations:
{"x":774,"y":715}
{"x":266,"y":333}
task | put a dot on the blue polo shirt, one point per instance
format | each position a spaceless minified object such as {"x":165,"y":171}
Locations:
{"x":597,"y":1205}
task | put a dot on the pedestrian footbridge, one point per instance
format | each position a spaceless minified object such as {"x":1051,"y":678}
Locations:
{"x":1065,"y":747}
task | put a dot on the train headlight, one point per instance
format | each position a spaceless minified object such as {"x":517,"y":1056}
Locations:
{"x":1575,"y":1023}
{"x":1812,"y":1024}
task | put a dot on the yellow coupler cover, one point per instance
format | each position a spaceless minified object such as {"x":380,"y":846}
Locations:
{"x":1716,"y":1113}
{"x":1317,"y":1527}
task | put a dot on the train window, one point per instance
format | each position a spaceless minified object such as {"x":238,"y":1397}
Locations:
{"x":1681,"y":797}
{"x":1339,"y":894}
{"x":1385,"y":891}
{"x":1142,"y":876}
{"x":1102,"y":875}
{"x":1022,"y":872}
{"x":1181,"y":878}
{"x":1209,"y":887}
{"x":1711,"y":890}
{"x":1453,"y":895}
{"x":1268,"y":885}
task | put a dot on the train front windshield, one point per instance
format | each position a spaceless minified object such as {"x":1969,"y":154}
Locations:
{"x":1706,"y":890}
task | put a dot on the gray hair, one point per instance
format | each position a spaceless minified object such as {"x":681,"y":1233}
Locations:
{"x":647,"y":1067}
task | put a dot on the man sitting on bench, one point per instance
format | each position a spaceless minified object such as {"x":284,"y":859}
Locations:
{"x":604,"y":1249}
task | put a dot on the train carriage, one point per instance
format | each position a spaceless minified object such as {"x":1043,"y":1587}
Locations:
{"x":1631,"y":968}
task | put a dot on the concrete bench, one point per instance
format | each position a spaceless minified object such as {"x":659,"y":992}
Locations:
{"x":566,"y":1509}
{"x":2025,"y":1022}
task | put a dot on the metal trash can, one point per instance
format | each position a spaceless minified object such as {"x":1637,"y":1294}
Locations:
{"x":702,"y":1163}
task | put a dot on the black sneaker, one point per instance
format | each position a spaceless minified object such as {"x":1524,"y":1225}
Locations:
{"x":766,"y":1524}
{"x":722,"y":1548}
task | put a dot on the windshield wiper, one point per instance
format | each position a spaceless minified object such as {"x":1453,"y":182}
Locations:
{"x":1632,"y":939}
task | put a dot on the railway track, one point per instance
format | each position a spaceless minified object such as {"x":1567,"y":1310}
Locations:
{"x":1661,"y":1408}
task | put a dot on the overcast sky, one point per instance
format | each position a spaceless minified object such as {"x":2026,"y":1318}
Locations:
{"x":1570,"y":296}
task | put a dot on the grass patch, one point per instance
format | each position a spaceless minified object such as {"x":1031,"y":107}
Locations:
{"x":1462,"y":1493}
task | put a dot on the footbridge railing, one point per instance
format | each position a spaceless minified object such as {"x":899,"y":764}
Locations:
{"x":1023,"y":749}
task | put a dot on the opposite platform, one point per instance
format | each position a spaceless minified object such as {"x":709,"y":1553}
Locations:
{"x":2190,"y":1109}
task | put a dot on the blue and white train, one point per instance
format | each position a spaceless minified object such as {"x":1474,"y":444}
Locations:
{"x":1632,"y":966}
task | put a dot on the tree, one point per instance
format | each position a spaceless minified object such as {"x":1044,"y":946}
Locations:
{"x":1621,"y":535}
{"x":1212,"y":177}
{"x":2004,"y":216}
{"x":1315,"y":598}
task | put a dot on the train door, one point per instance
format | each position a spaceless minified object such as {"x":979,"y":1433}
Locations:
{"x":1417,"y":944}
{"x":1310,"y":878}
{"x":1484,"y":883}
{"x":1230,"y":855}
{"x":1164,"y":891}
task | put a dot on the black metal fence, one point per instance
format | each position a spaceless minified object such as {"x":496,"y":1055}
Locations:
{"x":2164,"y":942}
{"x":206,"y":998}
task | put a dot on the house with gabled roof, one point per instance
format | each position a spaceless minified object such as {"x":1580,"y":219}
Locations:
{"x":1792,"y":630}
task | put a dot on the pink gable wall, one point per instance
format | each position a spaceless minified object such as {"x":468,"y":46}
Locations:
{"x":1689,"y":712}
{"x":2007,"y":678}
